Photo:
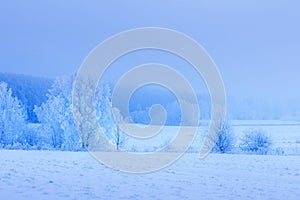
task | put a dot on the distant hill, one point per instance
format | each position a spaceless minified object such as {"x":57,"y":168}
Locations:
{"x":29,"y":90}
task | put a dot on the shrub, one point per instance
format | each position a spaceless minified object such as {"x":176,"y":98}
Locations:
{"x":225,"y":140}
{"x":256,"y":141}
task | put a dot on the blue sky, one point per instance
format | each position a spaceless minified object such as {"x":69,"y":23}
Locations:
{"x":255,"y":44}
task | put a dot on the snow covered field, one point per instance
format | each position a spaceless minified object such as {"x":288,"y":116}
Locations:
{"x":77,"y":175}
{"x":285,"y":135}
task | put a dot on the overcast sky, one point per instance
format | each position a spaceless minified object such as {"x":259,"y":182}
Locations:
{"x":255,"y":44}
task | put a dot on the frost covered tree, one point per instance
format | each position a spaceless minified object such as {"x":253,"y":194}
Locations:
{"x":12,"y":119}
{"x":94,"y":115}
{"x":29,"y":90}
{"x":105,"y":116}
{"x":120,"y":138}
{"x":225,"y":141}
{"x":85,"y":115}
{"x":56,"y":115}
{"x":221,"y":139}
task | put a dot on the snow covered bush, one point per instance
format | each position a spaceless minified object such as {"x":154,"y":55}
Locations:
{"x":37,"y":138}
{"x":12,"y":119}
{"x":256,"y":141}
{"x":225,"y":141}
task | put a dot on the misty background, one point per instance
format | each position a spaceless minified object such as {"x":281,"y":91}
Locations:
{"x":255,"y":44}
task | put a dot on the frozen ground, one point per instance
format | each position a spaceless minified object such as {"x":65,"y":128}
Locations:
{"x":77,"y":175}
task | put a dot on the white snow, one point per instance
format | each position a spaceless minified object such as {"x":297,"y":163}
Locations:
{"x":77,"y":175}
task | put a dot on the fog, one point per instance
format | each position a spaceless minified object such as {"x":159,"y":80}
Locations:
{"x":254,"y":44}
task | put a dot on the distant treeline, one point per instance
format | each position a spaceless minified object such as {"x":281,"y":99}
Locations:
{"x":29,"y":90}
{"x":32,"y":91}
